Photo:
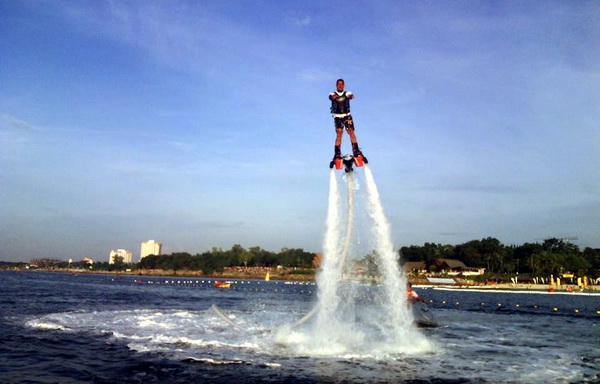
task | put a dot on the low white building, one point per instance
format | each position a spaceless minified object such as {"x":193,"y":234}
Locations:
{"x":125,"y":254}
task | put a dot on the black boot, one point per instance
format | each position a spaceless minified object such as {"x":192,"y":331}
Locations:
{"x":337,"y":152}
{"x":357,"y":152}
{"x":337,"y":155}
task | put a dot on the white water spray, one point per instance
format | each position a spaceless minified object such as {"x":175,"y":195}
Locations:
{"x":329,"y":280}
{"x":331,"y":247}
{"x":394,"y":281}
{"x":349,"y":219}
{"x":354,"y":317}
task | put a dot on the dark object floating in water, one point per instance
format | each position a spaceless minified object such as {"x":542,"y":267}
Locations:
{"x":423,"y":316}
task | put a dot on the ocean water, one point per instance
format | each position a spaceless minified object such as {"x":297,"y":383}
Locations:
{"x":65,"y":328}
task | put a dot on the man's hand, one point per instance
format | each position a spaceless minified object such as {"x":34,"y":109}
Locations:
{"x":333,"y":96}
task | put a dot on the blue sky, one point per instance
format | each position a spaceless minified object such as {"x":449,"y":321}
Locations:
{"x":206,"y":123}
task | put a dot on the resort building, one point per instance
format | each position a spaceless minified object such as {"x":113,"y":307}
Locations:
{"x":150,"y":247}
{"x":44,"y":263}
{"x":125,"y":254}
{"x":87,"y":260}
{"x":453,"y":267}
{"x":414,"y":267}
{"x":317,"y":260}
{"x":450,"y":267}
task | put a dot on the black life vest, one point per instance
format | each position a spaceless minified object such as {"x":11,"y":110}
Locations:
{"x":341,"y":104}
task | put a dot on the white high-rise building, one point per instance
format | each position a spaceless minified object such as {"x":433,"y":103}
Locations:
{"x":150,"y":247}
{"x":125,"y":254}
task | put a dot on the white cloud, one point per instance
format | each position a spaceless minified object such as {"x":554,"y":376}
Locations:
{"x":195,"y":39}
{"x":10,"y":123}
{"x":183,"y":147}
{"x":136,"y":167}
{"x":303,"y":21}
{"x":315,"y":75}
{"x":15,"y":138}
{"x":298,"y":18}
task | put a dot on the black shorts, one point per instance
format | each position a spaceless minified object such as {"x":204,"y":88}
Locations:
{"x":341,"y":122}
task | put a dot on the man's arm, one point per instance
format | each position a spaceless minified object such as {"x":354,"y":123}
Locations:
{"x":333,"y":96}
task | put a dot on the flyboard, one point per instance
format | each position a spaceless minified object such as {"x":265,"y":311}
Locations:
{"x":347,"y":162}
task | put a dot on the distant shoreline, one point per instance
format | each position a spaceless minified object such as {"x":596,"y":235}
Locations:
{"x":512,"y":288}
{"x":259,"y":273}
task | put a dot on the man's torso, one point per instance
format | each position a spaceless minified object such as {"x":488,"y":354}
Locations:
{"x":340,"y":106}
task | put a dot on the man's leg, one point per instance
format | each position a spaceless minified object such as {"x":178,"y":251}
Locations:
{"x":350,"y":129}
{"x":338,"y":142}
{"x":339,"y":131}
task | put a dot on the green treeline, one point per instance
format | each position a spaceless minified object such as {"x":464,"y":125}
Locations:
{"x":217,"y":259}
{"x":553,"y":256}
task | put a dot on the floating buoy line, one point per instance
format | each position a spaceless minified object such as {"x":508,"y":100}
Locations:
{"x":307,"y":287}
{"x":235,"y":285}
{"x":497,"y":305}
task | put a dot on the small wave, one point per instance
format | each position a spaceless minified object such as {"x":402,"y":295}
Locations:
{"x":271,"y":365}
{"x":184,"y":314}
{"x":142,"y":348}
{"x":152,"y":323}
{"x":209,"y":361}
{"x":40,"y":324}
{"x":119,"y":335}
{"x":165,"y":339}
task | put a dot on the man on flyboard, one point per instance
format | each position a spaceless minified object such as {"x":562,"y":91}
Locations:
{"x":340,"y":109}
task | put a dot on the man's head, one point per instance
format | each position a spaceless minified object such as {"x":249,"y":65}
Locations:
{"x":339,"y":84}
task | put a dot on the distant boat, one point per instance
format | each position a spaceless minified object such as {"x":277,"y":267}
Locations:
{"x":267,"y":277}
{"x":222,"y":284}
